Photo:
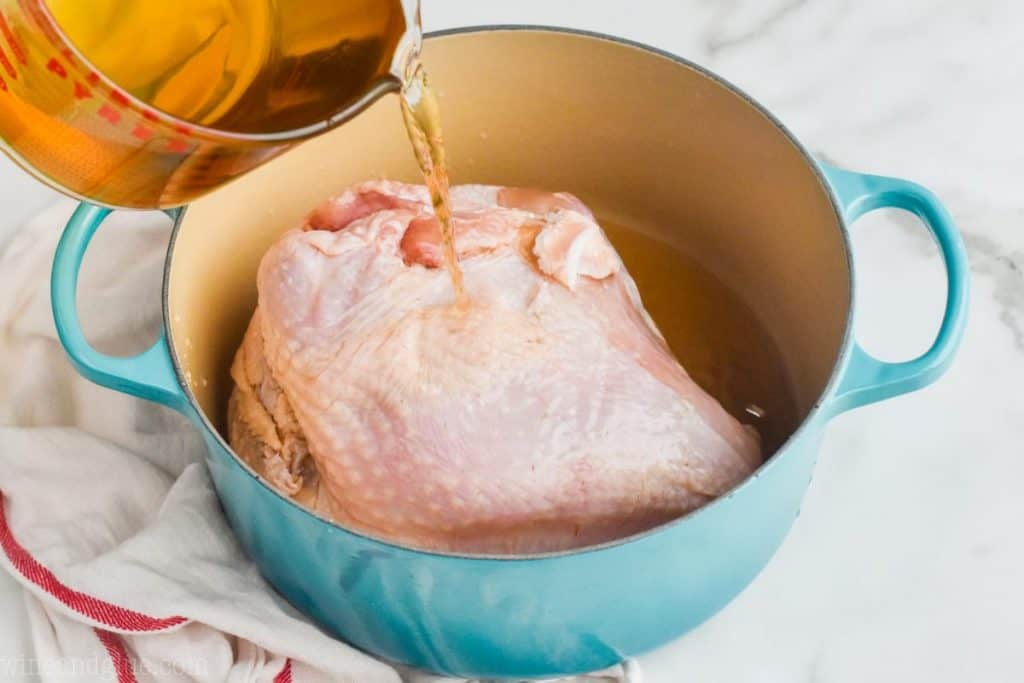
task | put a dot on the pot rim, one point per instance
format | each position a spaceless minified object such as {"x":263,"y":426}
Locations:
{"x":810,"y":419}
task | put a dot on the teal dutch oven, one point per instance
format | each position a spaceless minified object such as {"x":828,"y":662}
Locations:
{"x":647,"y":139}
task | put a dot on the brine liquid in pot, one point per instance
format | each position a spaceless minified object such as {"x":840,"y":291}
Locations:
{"x":422,"y":115}
{"x":718,"y":339}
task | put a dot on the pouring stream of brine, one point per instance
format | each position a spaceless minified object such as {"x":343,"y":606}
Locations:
{"x":422,"y":117}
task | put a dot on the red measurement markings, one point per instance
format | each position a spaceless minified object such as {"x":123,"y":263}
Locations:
{"x":150,"y":115}
{"x":16,"y":48}
{"x":119,"y":98}
{"x":92,"y":78}
{"x":142,"y":132}
{"x":8,"y":67}
{"x":110,"y":114}
{"x":56,"y":67}
{"x":177,"y":146}
{"x":82,"y":92}
{"x":183,"y":129}
{"x":3,"y":85}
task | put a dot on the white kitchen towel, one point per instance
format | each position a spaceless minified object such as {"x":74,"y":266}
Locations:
{"x":108,"y":518}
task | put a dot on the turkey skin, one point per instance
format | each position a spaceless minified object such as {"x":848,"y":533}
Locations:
{"x":545,"y":414}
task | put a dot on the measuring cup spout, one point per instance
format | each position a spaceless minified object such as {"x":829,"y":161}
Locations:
{"x":408,"y":49}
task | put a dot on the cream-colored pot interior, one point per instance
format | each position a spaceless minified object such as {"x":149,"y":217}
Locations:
{"x":643,"y":139}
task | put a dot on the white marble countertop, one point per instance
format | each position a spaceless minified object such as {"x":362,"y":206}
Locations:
{"x":906,"y":564}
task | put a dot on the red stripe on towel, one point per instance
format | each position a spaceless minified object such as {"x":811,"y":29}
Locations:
{"x":118,"y":656}
{"x":285,"y":675}
{"x":93,"y":608}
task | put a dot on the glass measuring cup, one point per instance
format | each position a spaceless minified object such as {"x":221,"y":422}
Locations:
{"x":132,"y":103}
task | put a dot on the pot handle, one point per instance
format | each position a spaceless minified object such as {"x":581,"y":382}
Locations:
{"x":149,"y":375}
{"x":866,"y":379}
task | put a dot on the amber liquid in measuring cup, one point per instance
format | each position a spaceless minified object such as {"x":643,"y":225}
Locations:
{"x":137,"y":103}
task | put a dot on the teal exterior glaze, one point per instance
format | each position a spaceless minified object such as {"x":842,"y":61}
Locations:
{"x":149,"y":375}
{"x":866,"y":379}
{"x":541,"y":615}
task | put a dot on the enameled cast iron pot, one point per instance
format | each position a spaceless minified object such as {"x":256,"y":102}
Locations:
{"x":647,"y":139}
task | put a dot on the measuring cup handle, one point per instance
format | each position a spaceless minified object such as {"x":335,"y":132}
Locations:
{"x":149,"y":375}
{"x":866,"y":379}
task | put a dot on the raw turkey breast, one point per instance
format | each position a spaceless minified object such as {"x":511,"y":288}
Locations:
{"x":546,"y":414}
